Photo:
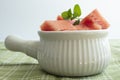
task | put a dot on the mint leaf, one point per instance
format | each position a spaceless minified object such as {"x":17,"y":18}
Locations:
{"x":69,"y":15}
{"x":65,"y":15}
{"x":77,"y":11}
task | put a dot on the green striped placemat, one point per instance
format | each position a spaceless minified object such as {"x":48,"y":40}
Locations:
{"x":18,"y":66}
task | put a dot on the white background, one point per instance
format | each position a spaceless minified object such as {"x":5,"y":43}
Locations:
{"x":23,"y":17}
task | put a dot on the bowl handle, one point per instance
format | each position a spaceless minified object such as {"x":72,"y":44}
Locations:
{"x":28,"y":47}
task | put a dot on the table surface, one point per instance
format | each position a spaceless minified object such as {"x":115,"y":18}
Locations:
{"x":18,"y":66}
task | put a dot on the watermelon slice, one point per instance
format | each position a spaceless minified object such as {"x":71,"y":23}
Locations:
{"x":57,"y":25}
{"x":95,"y":21}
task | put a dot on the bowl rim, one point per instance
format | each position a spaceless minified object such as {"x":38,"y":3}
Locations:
{"x":75,"y":31}
{"x":72,"y":35}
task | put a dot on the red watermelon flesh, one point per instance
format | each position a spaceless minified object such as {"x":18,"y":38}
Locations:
{"x":59,"y":17}
{"x":57,"y":25}
{"x":94,"y":20}
{"x":82,"y":27}
{"x":91,"y":24}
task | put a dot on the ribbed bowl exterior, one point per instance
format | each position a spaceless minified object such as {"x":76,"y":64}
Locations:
{"x":68,"y":56}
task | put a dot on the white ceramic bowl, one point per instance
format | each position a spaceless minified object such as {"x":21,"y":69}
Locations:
{"x":74,"y":53}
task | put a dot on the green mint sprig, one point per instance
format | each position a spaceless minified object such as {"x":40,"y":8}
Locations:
{"x":69,"y":15}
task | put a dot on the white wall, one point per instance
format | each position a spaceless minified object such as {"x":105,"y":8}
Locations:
{"x":23,"y":17}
